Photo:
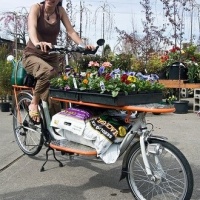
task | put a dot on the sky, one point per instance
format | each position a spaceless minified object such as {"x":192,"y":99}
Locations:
{"x":100,"y":17}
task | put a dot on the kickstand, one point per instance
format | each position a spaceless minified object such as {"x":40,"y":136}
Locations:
{"x":47,"y":156}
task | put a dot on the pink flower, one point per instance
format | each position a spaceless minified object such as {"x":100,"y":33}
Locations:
{"x":93,"y":64}
{"x":107,"y":64}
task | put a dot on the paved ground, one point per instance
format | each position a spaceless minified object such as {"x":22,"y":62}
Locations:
{"x":21,"y":179}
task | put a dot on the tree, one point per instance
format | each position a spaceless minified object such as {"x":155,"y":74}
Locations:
{"x":15,"y":24}
{"x":174,"y":13}
{"x":130,"y":43}
{"x":5,"y":75}
{"x":153,"y":35}
{"x":106,"y":20}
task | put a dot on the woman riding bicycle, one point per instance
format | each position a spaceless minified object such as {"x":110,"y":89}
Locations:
{"x":43,"y":27}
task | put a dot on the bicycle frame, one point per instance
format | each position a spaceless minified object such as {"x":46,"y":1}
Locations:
{"x":139,"y":126}
{"x":19,"y":90}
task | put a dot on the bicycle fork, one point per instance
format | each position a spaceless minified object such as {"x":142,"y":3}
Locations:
{"x":155,"y":149}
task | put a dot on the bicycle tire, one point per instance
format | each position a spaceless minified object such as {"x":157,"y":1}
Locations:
{"x":29,"y":136}
{"x":174,"y":177}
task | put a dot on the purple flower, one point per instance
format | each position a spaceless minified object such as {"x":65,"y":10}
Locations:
{"x":154,"y":76}
{"x":101,"y":70}
{"x":67,"y":88}
{"x":115,"y":72}
{"x":132,"y":73}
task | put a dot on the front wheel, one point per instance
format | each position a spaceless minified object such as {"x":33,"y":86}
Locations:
{"x":172,"y":175}
{"x":29,"y":136}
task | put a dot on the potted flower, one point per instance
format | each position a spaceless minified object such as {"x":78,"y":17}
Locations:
{"x":118,"y":81}
{"x":64,"y":82}
{"x":64,"y":86}
{"x":155,"y":65}
{"x":174,"y":60}
{"x":170,"y":100}
{"x":5,"y":85}
{"x":117,"y":86}
{"x":193,"y":71}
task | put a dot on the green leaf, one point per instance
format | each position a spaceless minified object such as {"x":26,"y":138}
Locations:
{"x":115,"y":93}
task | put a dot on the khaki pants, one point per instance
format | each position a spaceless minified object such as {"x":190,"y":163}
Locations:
{"x":43,"y":72}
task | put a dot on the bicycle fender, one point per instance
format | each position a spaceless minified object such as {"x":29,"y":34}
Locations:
{"x":124,"y":162}
{"x":25,"y":92}
{"x":156,"y":137}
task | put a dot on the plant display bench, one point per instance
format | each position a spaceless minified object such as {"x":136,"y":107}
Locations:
{"x":179,"y":84}
{"x":182,"y":84}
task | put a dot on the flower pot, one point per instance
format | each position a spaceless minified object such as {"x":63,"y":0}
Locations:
{"x":181,"y":106}
{"x":69,"y":94}
{"x":120,"y":99}
{"x":162,"y":74}
{"x":5,"y":107}
{"x":174,"y":71}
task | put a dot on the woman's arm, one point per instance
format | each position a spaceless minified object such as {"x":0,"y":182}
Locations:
{"x":32,"y":28}
{"x":32,"y":23}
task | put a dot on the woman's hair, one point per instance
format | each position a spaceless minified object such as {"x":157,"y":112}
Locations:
{"x":59,"y":4}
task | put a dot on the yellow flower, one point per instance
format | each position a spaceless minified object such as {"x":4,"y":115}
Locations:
{"x":65,"y":77}
{"x":85,"y":81}
{"x":88,"y":75}
{"x":132,"y":79}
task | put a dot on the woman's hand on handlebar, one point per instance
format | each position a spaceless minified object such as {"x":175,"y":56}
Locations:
{"x":87,"y":47}
{"x":44,"y":46}
{"x":90,"y":47}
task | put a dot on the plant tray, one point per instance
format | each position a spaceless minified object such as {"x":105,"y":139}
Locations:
{"x":121,"y":99}
{"x":58,"y":93}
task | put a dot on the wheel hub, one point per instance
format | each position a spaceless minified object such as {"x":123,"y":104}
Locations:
{"x":156,"y":179}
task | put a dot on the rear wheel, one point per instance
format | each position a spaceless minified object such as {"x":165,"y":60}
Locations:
{"x":28,"y":135}
{"x":172,"y":175}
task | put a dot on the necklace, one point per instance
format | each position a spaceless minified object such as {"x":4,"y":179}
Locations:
{"x":48,"y":15}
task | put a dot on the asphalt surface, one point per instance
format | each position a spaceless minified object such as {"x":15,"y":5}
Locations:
{"x":86,"y":178}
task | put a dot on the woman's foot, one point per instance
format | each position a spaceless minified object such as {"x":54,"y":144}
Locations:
{"x":34,"y":113}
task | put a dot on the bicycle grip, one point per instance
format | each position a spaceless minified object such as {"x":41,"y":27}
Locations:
{"x":37,"y":47}
{"x":89,"y":51}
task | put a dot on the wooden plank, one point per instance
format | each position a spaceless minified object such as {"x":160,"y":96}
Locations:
{"x":178,"y":84}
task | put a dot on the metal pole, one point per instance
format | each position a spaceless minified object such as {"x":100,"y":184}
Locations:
{"x":191,"y":23}
{"x":175,"y":34}
{"x":15,"y":35}
{"x":81,"y":18}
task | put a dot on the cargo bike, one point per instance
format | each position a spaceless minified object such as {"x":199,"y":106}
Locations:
{"x":153,"y":167}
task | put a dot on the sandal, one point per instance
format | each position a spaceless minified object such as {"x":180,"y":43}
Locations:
{"x":34,"y":115}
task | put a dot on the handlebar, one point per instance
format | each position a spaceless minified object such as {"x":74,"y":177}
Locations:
{"x":77,"y":49}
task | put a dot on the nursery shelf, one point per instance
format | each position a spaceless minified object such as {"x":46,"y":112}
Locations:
{"x":179,"y":84}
